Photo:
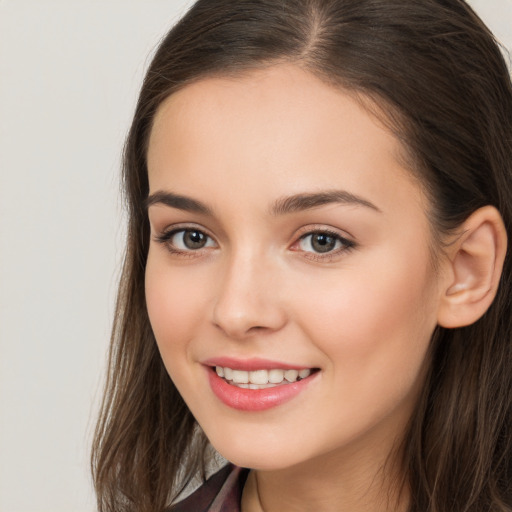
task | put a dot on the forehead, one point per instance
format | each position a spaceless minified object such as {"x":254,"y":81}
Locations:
{"x":277,"y":130}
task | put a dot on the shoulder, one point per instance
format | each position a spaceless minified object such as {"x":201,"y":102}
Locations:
{"x":222,"y":492}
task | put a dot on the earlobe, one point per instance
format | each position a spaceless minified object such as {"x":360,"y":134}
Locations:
{"x":475,"y":262}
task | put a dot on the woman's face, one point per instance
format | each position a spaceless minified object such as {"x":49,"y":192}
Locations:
{"x":288,"y":243}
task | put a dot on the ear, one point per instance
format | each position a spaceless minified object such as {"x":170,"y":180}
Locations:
{"x":473,"y":268}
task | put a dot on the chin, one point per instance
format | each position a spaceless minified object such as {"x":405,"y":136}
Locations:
{"x":263,"y":456}
{"x":258,"y":461}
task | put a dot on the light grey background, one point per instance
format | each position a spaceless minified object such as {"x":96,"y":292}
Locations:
{"x":69,"y":75}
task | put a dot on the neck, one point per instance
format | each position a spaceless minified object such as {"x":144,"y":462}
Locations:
{"x":337,"y":482}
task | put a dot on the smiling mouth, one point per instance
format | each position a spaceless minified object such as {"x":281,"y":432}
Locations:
{"x":262,"y":379}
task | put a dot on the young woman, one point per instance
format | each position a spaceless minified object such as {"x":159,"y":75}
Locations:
{"x":316,"y":279}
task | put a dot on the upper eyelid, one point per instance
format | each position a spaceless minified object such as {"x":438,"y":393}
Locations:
{"x":322,"y":228}
{"x":176,"y":228}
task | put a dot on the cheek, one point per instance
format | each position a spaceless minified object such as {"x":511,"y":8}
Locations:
{"x":176,"y":302}
{"x":374,"y":324}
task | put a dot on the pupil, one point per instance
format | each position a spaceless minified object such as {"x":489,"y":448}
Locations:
{"x":323,"y":243}
{"x":194,"y":239}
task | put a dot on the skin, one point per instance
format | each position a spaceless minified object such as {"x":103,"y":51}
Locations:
{"x":363,"y":315}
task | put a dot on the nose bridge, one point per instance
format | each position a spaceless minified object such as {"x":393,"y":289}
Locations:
{"x":247,"y":296}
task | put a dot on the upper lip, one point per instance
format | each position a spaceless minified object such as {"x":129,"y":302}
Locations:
{"x":252,"y":364}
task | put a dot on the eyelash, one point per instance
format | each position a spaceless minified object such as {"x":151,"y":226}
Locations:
{"x":166,"y":237}
{"x":346,"y":245}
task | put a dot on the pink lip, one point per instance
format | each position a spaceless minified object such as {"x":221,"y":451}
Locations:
{"x":255,"y":399}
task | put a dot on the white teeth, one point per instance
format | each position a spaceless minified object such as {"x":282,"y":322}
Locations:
{"x":253,"y":386}
{"x":261,"y":379}
{"x":304,"y":373}
{"x":275,"y":376}
{"x":258,"y":377}
{"x":291,"y":375}
{"x":240,"y":377}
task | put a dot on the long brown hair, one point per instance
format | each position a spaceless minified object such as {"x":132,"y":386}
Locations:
{"x":439,"y":75}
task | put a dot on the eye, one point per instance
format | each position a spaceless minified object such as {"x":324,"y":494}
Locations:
{"x":186,"y":240}
{"x":323,"y":242}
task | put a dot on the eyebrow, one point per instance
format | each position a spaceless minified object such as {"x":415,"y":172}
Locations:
{"x":300,"y":202}
{"x":179,"y":202}
{"x":282,"y":206}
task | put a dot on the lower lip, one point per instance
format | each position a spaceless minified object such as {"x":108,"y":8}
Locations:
{"x":255,"y":399}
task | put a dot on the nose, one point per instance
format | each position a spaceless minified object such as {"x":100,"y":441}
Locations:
{"x":248,"y":298}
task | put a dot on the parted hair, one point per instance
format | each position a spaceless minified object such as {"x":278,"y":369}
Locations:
{"x":440,"y":78}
